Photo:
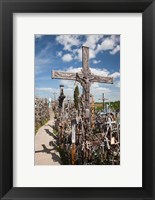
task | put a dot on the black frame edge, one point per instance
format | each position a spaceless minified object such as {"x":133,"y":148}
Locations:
{"x":153,"y":99}
{"x":1,"y":95}
{"x":147,"y":122}
{"x":6,"y":101}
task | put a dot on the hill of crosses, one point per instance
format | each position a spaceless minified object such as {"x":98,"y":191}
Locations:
{"x":78,"y":130}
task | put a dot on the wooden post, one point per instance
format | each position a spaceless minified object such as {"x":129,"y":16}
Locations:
{"x":103,"y":100}
{"x":73,"y":153}
{"x":93,"y":113}
{"x":73,"y":140}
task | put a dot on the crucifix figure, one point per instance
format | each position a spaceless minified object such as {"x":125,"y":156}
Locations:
{"x":85,"y":77}
{"x":61,"y":97}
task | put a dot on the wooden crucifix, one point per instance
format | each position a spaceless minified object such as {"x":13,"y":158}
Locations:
{"x":85,"y":77}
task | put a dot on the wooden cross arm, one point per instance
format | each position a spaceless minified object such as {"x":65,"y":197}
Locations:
{"x":63,"y":75}
{"x":102,"y":79}
{"x":73,"y":76}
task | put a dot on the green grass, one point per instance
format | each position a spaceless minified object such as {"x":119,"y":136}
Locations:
{"x":113,"y":105}
{"x":43,"y":122}
{"x":55,"y":132}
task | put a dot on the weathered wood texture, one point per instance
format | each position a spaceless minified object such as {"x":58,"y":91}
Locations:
{"x":72,"y":76}
{"x":63,"y":75}
{"x":85,"y":61}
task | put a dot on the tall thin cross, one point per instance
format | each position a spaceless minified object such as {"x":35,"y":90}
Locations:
{"x":85,"y":77}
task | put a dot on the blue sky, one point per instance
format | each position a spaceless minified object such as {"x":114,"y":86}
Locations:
{"x":64,"y":53}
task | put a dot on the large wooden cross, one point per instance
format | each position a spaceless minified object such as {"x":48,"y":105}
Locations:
{"x":85,"y":77}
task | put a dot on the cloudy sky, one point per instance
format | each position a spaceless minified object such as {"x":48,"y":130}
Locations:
{"x":64,"y":53}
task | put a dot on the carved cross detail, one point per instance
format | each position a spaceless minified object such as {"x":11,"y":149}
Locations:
{"x":85,"y":77}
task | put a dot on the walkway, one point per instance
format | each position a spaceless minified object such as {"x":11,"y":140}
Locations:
{"x":45,"y":144}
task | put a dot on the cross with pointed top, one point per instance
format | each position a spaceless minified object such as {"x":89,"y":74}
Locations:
{"x":85,"y":77}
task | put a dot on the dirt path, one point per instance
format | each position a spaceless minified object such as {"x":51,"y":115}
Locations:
{"x":45,"y":149}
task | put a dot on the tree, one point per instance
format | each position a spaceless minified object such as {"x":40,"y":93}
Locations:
{"x":76,"y":95}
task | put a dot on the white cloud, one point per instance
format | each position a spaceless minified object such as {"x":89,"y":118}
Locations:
{"x":68,"y":41}
{"x":96,"y":61}
{"x":97,"y":87}
{"x":75,"y":70}
{"x":99,"y":90}
{"x":99,"y":72}
{"x":96,"y":44}
{"x":67,"y":57}
{"x":96,"y":71}
{"x":109,"y":43}
{"x":116,"y":38}
{"x":68,"y":83}
{"x":78,"y":54}
{"x":92,"y":40}
{"x":92,"y":54}
{"x":115,"y":75}
{"x":115,"y":50}
{"x":59,"y":53}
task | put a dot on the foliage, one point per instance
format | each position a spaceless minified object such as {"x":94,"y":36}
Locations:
{"x":55,"y":132}
{"x":64,"y":156}
{"x":113,"y":105}
{"x":37,"y":125}
{"x":76,"y":95}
